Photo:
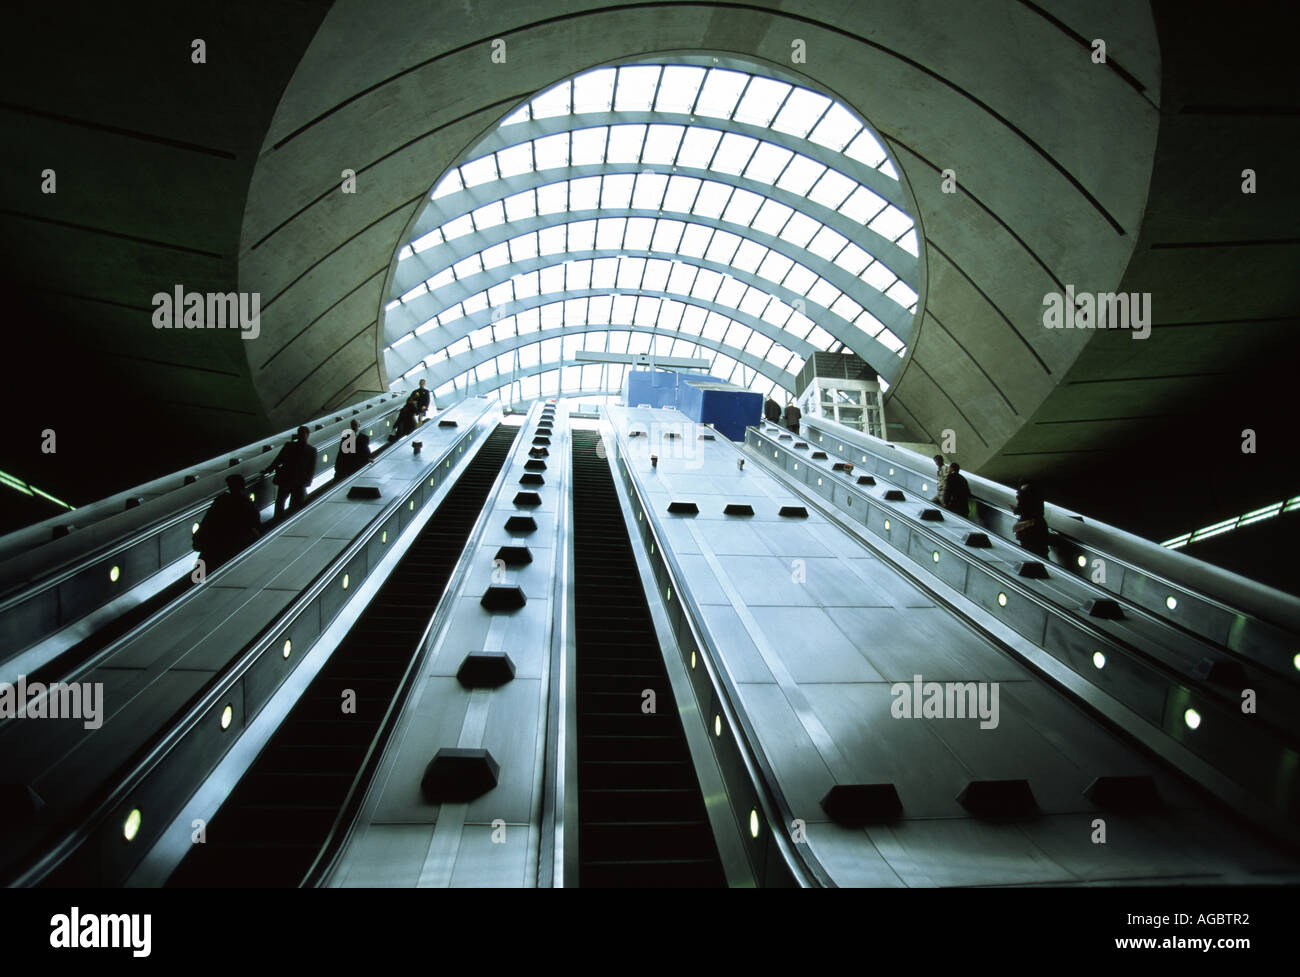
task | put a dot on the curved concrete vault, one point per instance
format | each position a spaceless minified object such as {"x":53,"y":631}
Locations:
{"x":1001,"y":94}
{"x":1118,"y":176}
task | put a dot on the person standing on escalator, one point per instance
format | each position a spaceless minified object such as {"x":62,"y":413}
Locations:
{"x":230,"y":525}
{"x":956,"y":492}
{"x":1031,"y":530}
{"x":792,"y":417}
{"x":354,"y":453}
{"x":421,"y":396}
{"x":294,"y":467}
{"x":407,"y":419}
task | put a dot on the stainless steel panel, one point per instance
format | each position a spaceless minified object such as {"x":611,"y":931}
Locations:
{"x":386,"y":856}
{"x":123,"y":732}
{"x":434,"y":722}
{"x":1135,"y":848}
{"x":800,"y":770}
{"x":737,"y":650}
{"x":510,"y":735}
{"x":729,"y":538}
{"x":879,"y":586}
{"x":882,"y":749}
{"x":847,"y":853}
{"x":964,"y":851}
{"x":811,"y":647}
{"x":170,"y":637}
{"x":485,"y":861}
{"x":259,"y":566}
{"x":903,"y":643}
{"x":792,"y":540}
{"x":472,"y":629}
{"x":1016,"y":750}
{"x":29,"y":746}
{"x":228,"y":640}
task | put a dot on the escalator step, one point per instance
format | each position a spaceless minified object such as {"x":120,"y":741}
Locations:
{"x":272,"y":826}
{"x":641,"y":815}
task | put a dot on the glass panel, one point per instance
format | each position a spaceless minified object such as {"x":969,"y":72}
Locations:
{"x":552,"y":103}
{"x":801,"y":112}
{"x":625,"y":144}
{"x":678,"y":88}
{"x":594,"y":91}
{"x":588,"y":146}
{"x":721,"y":90}
{"x":515,"y":160}
{"x":636,"y":88}
{"x":761,"y":100}
{"x":756,"y":101}
{"x":552,"y":151}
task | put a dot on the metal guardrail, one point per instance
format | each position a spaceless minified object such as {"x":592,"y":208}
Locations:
{"x":1241,"y":616}
{"x":60,"y":582}
{"x":751,"y":780}
{"x":1259,"y":759}
{"x":180,"y":757}
{"x":342,"y":830}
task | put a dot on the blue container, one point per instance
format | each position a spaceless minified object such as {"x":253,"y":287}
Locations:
{"x":730,"y":409}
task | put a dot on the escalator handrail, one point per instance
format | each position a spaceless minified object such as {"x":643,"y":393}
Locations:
{"x":345,"y":822}
{"x":803,"y":865}
{"x":1178,"y":570}
{"x":121,"y":784}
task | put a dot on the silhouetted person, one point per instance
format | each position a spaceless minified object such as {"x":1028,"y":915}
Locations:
{"x":231,"y":524}
{"x":351,"y":462}
{"x":407,"y":418}
{"x":294,"y":467}
{"x":956,"y":493}
{"x":1031,"y":530}
{"x":792,"y":417}
{"x":772,"y":411}
{"x":421,"y":396}
{"x":940,"y":475}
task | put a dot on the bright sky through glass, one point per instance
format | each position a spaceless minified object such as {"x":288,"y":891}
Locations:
{"x":672,"y":210}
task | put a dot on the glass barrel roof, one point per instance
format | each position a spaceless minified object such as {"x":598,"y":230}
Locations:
{"x":672,"y":209}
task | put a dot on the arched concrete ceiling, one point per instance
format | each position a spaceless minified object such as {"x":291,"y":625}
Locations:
{"x":227,"y":175}
{"x":1003,"y":93}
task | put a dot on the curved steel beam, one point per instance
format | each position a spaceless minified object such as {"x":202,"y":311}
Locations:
{"x":895,"y":318}
{"x":439,"y":338}
{"x":416,"y":313}
{"x":482,"y":387}
{"x":439,"y":373}
{"x":435,"y":340}
{"x":892,"y":315}
{"x":902,"y":263}
{"x":506,"y":136}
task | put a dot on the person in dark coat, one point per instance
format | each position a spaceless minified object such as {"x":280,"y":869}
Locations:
{"x":231,"y":524}
{"x":772,"y":411}
{"x":407,"y":418}
{"x":792,"y":417}
{"x":350,"y":462}
{"x":1031,"y":529}
{"x":294,"y":467}
{"x":956,"y":492}
{"x":421,"y":396}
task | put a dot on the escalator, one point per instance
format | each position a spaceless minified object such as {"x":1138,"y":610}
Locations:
{"x":273,"y":825}
{"x":641,"y":815}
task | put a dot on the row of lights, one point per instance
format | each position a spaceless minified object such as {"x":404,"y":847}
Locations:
{"x":131,"y":826}
{"x":717,"y":719}
{"x":1191,"y":717}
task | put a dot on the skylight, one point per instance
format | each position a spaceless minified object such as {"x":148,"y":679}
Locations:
{"x":683,"y":209}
